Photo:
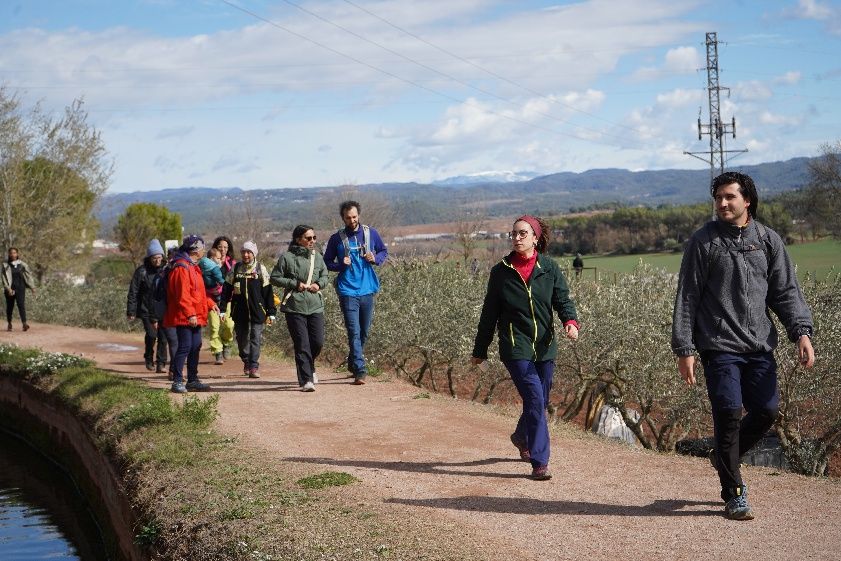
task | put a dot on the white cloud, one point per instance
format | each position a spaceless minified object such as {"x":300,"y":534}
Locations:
{"x":679,"y":98}
{"x":789,"y":78}
{"x":752,"y":90}
{"x":683,"y":60}
{"x":769,"y":118}
{"x":818,"y":11}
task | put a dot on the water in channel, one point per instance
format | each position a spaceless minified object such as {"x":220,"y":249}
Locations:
{"x":42,"y":515}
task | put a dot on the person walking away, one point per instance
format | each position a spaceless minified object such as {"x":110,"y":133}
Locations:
{"x":225,"y":246}
{"x":211,"y":271}
{"x":734,"y":270}
{"x":186,"y":311}
{"x":523,"y":290}
{"x":16,"y":278}
{"x":140,"y":305}
{"x":578,"y":265}
{"x":301,"y":273}
{"x":352,"y":252}
{"x":249,"y":292}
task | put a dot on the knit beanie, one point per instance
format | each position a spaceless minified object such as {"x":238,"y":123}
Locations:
{"x":250,"y":246}
{"x":155,"y":248}
{"x":192,"y":244}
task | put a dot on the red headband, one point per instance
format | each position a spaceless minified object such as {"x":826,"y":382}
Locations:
{"x":531,"y":221}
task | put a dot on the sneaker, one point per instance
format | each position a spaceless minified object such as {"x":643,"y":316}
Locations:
{"x":178,"y":387}
{"x":737,"y":508}
{"x":218,"y":360}
{"x":541,"y":474}
{"x":26,"y":327}
{"x":9,"y":328}
{"x":150,"y":366}
{"x":253,"y":373}
{"x":521,"y":446}
{"x":308,"y":387}
{"x":314,"y":377}
{"x":359,"y":382}
{"x":226,"y":353}
{"x":245,"y":370}
{"x":197,"y":386}
{"x":159,"y":369}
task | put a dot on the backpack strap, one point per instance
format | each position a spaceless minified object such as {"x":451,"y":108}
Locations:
{"x":765,"y":240}
{"x":366,"y":237}
{"x":345,"y":242}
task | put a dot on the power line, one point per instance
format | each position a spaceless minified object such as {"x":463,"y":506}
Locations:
{"x":413,"y":82}
{"x":487,"y":71}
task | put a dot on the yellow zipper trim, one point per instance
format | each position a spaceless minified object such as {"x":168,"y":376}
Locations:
{"x":531,"y":305}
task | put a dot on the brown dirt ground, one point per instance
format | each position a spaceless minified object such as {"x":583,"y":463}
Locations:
{"x":449,"y":463}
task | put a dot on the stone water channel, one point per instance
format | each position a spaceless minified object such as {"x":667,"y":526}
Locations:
{"x":42,"y":513}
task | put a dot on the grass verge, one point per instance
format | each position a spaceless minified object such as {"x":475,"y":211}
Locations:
{"x":200,"y":495}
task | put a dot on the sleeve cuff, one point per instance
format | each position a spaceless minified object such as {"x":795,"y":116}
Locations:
{"x":572,"y":322}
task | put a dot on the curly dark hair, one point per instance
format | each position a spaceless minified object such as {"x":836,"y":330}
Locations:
{"x":347,"y":205}
{"x":225,"y":239}
{"x":747,"y":188}
{"x":543,"y":238}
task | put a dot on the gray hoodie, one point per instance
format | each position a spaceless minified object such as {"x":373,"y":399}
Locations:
{"x":725,"y":292}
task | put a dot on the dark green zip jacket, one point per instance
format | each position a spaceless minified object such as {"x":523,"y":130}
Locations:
{"x":293,"y":267}
{"x":522,"y":312}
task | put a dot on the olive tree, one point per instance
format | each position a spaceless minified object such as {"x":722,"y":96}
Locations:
{"x":141,"y":222}
{"x":52,"y":172}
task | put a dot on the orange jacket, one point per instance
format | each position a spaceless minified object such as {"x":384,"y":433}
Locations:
{"x":185,"y":296}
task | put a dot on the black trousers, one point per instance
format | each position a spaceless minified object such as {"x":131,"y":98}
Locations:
{"x":20,"y":298}
{"x":153,"y":335}
{"x":307,"y":332}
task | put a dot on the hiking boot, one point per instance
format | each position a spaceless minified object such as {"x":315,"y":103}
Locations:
{"x":178,"y":387}
{"x":170,"y":375}
{"x":359,"y":382}
{"x":308,"y":387}
{"x":541,"y":474}
{"x":737,"y":507}
{"x":9,"y":328}
{"x":521,"y":446}
{"x":150,"y":366}
{"x":197,"y":386}
{"x":253,"y":373}
{"x":26,"y":327}
{"x":226,"y":353}
{"x":219,"y":360}
{"x":159,"y":369}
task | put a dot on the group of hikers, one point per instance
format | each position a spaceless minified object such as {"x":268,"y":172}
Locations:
{"x":734,"y":272}
{"x":191,"y":287}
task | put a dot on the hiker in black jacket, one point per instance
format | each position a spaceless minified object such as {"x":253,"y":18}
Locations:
{"x":139,"y":305}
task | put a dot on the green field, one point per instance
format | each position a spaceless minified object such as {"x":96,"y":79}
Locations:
{"x":814,"y":257}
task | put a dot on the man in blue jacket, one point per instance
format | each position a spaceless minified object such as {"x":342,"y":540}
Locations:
{"x":735,"y":270}
{"x":352,"y":252}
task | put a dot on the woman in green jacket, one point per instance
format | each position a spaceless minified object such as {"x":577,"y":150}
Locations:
{"x":301,"y":273}
{"x":523,"y":290}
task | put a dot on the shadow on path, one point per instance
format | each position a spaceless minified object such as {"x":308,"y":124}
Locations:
{"x":438,"y":468}
{"x":522,"y":505}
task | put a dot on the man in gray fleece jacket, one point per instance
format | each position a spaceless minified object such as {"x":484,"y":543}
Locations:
{"x":735,"y":270}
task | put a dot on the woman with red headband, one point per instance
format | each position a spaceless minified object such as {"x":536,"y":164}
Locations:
{"x":523,"y":290}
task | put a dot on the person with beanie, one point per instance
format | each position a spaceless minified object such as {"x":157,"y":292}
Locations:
{"x":248,"y":290}
{"x":16,"y":278}
{"x":186,"y":310}
{"x":523,"y":290}
{"x":140,"y":305}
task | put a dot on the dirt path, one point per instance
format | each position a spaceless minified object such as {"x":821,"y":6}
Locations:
{"x":450,"y":462}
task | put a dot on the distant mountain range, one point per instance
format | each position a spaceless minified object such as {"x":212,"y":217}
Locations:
{"x":490,"y":195}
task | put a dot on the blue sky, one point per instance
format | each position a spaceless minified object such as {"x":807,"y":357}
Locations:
{"x":265,"y":93}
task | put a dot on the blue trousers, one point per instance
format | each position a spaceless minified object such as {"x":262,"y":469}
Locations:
{"x":735,"y":380}
{"x":533,"y":381}
{"x":189,"y":345}
{"x":358,"y":312}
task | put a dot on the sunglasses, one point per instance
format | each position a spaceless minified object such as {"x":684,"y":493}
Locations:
{"x":517,"y":234}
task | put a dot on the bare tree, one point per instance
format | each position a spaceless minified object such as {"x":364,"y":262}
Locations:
{"x":467,"y":233}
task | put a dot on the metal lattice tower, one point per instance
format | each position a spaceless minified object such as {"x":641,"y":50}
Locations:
{"x":716,"y":129}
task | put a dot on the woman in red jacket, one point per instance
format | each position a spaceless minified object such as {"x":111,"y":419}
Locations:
{"x":187,"y":306}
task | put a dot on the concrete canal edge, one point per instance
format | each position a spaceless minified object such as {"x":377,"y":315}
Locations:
{"x":54,"y":430}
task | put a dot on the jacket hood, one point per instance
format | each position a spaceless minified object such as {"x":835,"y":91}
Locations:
{"x":300,"y":250}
